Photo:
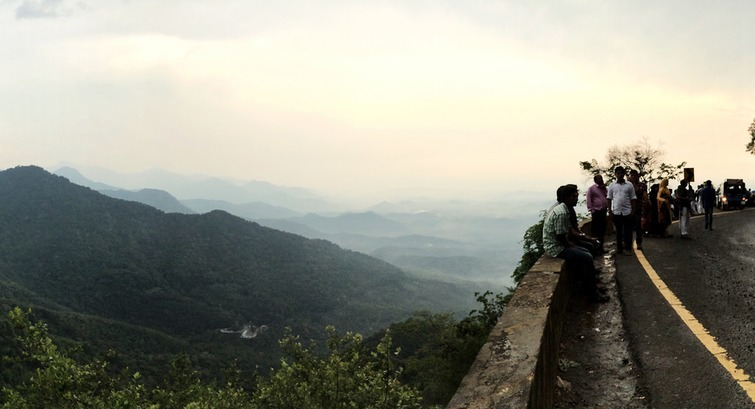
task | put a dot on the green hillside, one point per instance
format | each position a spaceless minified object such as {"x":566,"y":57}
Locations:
{"x":115,"y":274}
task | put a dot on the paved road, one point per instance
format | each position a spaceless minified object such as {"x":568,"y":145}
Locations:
{"x":713,"y":275}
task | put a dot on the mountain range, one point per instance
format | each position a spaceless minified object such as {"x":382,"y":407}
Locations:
{"x":451,"y":239}
{"x":203,"y":187}
{"x":107,"y":272}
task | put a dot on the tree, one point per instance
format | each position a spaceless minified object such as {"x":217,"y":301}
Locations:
{"x":640,"y":156}
{"x":751,"y":145}
{"x":437,"y":351}
{"x":350,"y":376}
{"x":533,"y":249}
{"x":185,"y":389}
{"x":60,"y":381}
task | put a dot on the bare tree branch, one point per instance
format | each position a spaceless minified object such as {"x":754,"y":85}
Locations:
{"x":641,"y":156}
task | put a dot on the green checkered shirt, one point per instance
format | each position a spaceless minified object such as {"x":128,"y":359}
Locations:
{"x":556,"y":222}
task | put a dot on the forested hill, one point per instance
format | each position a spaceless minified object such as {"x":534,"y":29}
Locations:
{"x":72,"y":252}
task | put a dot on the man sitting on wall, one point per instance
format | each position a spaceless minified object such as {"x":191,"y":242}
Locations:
{"x":591,"y":244}
{"x":557,"y":243}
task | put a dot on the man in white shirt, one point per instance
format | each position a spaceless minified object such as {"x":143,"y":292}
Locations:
{"x":622,"y":201}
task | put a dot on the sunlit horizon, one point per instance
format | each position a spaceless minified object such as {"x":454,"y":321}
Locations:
{"x":367,"y":97}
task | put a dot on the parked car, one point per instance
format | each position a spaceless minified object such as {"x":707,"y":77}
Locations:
{"x":732,"y":194}
{"x":751,"y":198}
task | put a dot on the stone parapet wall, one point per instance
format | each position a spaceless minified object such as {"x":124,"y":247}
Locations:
{"x":517,"y":366}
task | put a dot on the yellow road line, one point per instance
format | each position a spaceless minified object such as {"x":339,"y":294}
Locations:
{"x":700,"y":332}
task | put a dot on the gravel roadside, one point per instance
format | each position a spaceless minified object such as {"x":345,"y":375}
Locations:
{"x":596,"y":368}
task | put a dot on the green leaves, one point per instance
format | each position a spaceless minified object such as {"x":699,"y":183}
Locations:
{"x":533,"y":249}
{"x":58,"y":380}
{"x":118,"y":274}
{"x":348,"y":376}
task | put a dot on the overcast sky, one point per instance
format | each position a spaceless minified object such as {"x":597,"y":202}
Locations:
{"x":357,"y":97}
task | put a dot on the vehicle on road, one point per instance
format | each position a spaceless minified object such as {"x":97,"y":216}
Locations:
{"x":732,"y":194}
{"x":751,"y":198}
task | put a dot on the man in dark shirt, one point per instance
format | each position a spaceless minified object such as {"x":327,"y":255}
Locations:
{"x":592,"y":244}
{"x":557,"y":241}
{"x":683,"y":199}
{"x":708,"y":199}
{"x":643,"y":206}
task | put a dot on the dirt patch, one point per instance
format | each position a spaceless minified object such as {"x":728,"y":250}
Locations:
{"x":596,"y":369}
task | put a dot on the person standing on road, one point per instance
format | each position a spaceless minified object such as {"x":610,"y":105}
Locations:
{"x":683,"y":199}
{"x":708,"y":200}
{"x":652,"y":227}
{"x":664,"y":208}
{"x":695,"y":195}
{"x":597,"y":205}
{"x":643,"y":206}
{"x":556,"y":242}
{"x":622,"y":202}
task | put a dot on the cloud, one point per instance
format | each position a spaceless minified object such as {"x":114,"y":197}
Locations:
{"x":496,"y":93}
{"x":41,"y":9}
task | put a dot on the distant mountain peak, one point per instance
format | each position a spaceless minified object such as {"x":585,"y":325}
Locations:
{"x":191,"y":187}
{"x":76,"y":177}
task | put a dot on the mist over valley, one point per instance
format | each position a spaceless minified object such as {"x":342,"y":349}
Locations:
{"x":143,"y":273}
{"x":450,"y":239}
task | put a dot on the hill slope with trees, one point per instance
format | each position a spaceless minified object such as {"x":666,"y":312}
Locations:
{"x":116,"y":274}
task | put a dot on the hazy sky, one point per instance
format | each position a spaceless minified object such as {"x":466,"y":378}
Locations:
{"x":362,"y":96}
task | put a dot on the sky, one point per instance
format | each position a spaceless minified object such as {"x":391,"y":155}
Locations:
{"x":360,"y":97}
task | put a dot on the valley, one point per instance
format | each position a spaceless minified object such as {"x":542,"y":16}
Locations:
{"x":115,"y":274}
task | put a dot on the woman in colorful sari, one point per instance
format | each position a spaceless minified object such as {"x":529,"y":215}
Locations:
{"x":664,"y":208}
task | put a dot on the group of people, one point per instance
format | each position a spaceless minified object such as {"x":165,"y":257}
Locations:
{"x":682,"y":204}
{"x":625,"y":201}
{"x":635,"y":212}
{"x":645,"y":213}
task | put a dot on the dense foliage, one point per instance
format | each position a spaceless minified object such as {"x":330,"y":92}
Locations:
{"x":134,"y":299}
{"x":349,"y":376}
{"x":751,"y":145}
{"x":435,"y":349}
{"x":110,"y":274}
{"x":533,"y":249}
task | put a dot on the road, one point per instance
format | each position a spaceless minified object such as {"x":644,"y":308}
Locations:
{"x":638,"y":352}
{"x":713,"y":277}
